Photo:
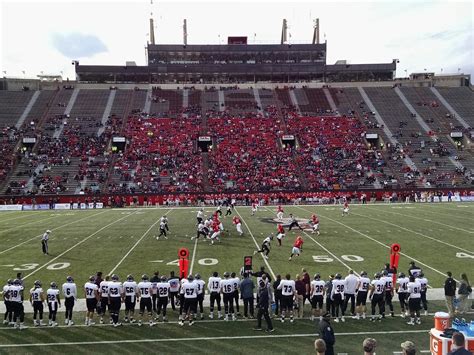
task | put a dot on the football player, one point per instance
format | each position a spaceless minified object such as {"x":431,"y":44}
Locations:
{"x":144,"y":288}
{"x":402,"y":291}
{"x":164,"y":219}
{"x":15,"y":293}
{"x":201,"y":230}
{"x":388,"y":291}
{"x":190,"y":291}
{"x":37,"y":300}
{"x":44,"y":242}
{"x":130,"y":289}
{"x":227,"y":290}
{"x":219,"y":210}
{"x":54,"y":302}
{"x":288,"y":293}
{"x":337,"y":297}
{"x":238,"y":225}
{"x":376,"y":294}
{"x":228,"y":211}
{"x":281,"y":234}
{"x":279,"y":213}
{"x":345,"y":209}
{"x":317,"y":297}
{"x":216,"y":231}
{"x":236,"y":283}
{"x":254,"y":208}
{"x":200,"y":215}
{"x":115,"y":299}
{"x":297,"y":247}
{"x":104,"y":299}
{"x":414,"y":300}
{"x":363,"y":285}
{"x":91,"y":292}
{"x":163,"y":288}
{"x":315,"y":223}
{"x":200,"y":298}
{"x":174,"y":289}
{"x":70,"y":295}
{"x":7,"y":319}
{"x":293,"y":223}
{"x":154,"y":290}
{"x":424,"y":287}
{"x":163,"y":228}
{"x":265,"y":248}
{"x":214,"y":287}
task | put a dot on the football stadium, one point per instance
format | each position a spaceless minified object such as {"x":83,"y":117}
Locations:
{"x":237,"y":197}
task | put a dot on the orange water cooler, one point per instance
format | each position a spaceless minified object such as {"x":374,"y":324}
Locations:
{"x":440,"y":345}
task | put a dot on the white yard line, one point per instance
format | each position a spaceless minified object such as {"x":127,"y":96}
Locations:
{"x":23,"y":216}
{"x":382,"y":244}
{"x":75,"y":245}
{"x":172,"y":340}
{"x":194,"y":255}
{"x":415,"y":232}
{"x":256,"y":244}
{"x":135,"y":245}
{"x":323,"y":247}
{"x":431,"y":221}
{"x":52,"y":229}
{"x":27,"y":224}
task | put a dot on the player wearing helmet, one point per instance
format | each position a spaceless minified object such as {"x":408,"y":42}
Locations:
{"x":200,"y":298}
{"x":144,"y":293}
{"x":91,"y":292}
{"x":70,"y":295}
{"x":8,"y":317}
{"x":115,"y":299}
{"x":362,"y":289}
{"x":37,"y":300}
{"x":131,"y":292}
{"x":402,"y":291}
{"x":317,"y":297}
{"x":376,"y":294}
{"x":53,"y":303}
{"x":163,"y":291}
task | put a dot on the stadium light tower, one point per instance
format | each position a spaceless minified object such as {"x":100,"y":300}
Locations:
{"x":316,"y":31}
{"x":152,"y":28}
{"x":185,"y":33}
{"x":284,"y":31}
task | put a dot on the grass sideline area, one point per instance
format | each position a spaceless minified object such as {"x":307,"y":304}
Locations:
{"x":438,"y":237}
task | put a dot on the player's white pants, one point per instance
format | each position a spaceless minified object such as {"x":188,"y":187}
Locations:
{"x":221,"y":226}
{"x":280,"y":215}
{"x":215,"y":235}
{"x":280,"y":236}
{"x":316,"y":227}
{"x":239,"y":228}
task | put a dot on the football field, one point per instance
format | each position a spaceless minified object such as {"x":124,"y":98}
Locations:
{"x":438,"y":237}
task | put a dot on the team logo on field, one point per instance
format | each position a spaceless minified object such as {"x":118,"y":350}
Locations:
{"x":304,"y":223}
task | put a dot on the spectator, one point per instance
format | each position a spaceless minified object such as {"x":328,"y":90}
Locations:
{"x":307,"y":283}
{"x":458,"y":345}
{"x":369,"y":346}
{"x":327,"y":333}
{"x":449,"y":293}
{"x":464,"y":291}
{"x":320,"y":347}
{"x":408,"y":348}
{"x":277,"y":294}
{"x":246,"y":292}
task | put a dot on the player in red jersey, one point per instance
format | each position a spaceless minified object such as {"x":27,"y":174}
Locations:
{"x":297,"y":247}
{"x":345,"y":209}
{"x":254,"y":208}
{"x":281,"y":234}
{"x":238,"y":224}
{"x":216,"y":232}
{"x":280,"y":213}
{"x":315,"y":222}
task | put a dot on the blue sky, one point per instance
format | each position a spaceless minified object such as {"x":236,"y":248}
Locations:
{"x":44,"y":36}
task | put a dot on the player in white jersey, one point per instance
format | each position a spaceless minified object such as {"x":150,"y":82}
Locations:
{"x":350,"y":291}
{"x":163,"y":288}
{"x":403,"y":294}
{"x":91,"y":293}
{"x":37,"y":300}
{"x":144,"y":288}
{"x":265,"y":248}
{"x":54,"y":302}
{"x":228,"y":211}
{"x":181,"y":296}
{"x":317,"y":297}
{"x":8,"y":317}
{"x":201,"y":231}
{"x":337,"y":297}
{"x":236,"y":283}
{"x":15,"y":293}
{"x":200,"y":298}
{"x":227,"y":290}
{"x":190,"y":292}
{"x":288,"y":292}
{"x":214,"y":287}
{"x":414,"y":300}
{"x":363,"y":285}
{"x":388,"y":291}
{"x":174,"y":289}
{"x":376,"y":294}
{"x":200,"y":216}
{"x":163,"y":226}
{"x":131,"y":292}
{"x":424,"y":287}
{"x":115,"y":299}
{"x":104,"y":299}
{"x":70,"y":296}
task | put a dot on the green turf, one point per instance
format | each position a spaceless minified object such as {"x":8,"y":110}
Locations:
{"x":102,"y":240}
